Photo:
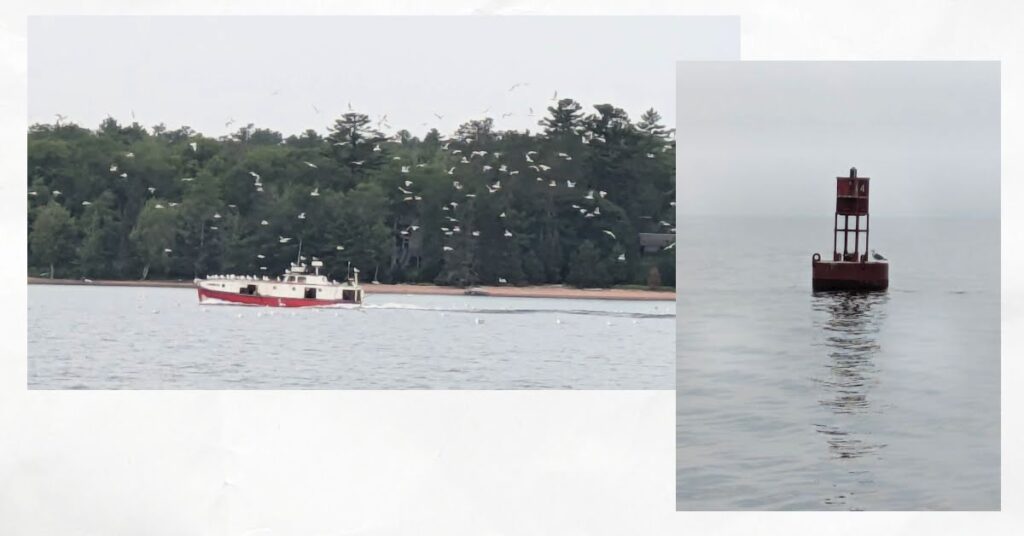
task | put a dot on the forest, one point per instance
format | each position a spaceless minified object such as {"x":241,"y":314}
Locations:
{"x":563,"y":205}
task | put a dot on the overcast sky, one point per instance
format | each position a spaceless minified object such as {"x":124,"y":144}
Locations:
{"x":769,"y":138}
{"x":273,"y":71}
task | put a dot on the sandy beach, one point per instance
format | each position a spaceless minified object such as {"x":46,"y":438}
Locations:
{"x":545,"y":291}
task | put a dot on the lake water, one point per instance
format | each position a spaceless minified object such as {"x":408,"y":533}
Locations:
{"x":82,"y":337}
{"x":796,"y":401}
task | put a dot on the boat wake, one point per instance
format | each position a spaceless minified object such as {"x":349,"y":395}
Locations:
{"x":517,"y":311}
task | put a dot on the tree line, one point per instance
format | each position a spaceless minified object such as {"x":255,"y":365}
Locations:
{"x":481,"y":206}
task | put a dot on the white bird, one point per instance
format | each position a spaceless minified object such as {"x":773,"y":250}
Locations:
{"x":283,"y":240}
{"x":502,"y":215}
{"x":86,"y":203}
{"x":173,"y":204}
{"x":487,"y":168}
{"x":609,"y":233}
{"x":408,"y":184}
{"x":302,"y":215}
{"x":470,"y":195}
{"x":158,"y":205}
{"x":167,"y":250}
{"x":622,"y":257}
{"x":457,"y":185}
{"x":670,"y":246}
{"x":590,"y":195}
{"x":405,"y":169}
{"x":508,"y":234}
{"x":124,"y":175}
{"x":129,"y":155}
{"x":597,"y":211}
{"x":310,"y":164}
{"x":544,"y":168}
{"x":358,"y":162}
{"x":563,"y":155}
{"x":447,"y":248}
{"x":874,"y":255}
{"x":195,"y":146}
{"x":56,"y":193}
{"x":570,"y":184}
{"x":376,"y":148}
{"x":404,"y":191}
{"x":113,"y":168}
{"x":33,"y":193}
{"x":315,"y":192}
{"x":451,"y":171}
{"x":264,"y":222}
{"x":151,"y":189}
{"x":339,"y":248}
{"x":254,"y":174}
{"x":602,"y":193}
{"x":475,"y":233}
{"x":187,"y":179}
{"x":552,"y":183}
{"x":650,"y":155}
{"x":216,"y":215}
{"x":502,"y":280}
{"x":414,"y":227}
{"x":261,"y":256}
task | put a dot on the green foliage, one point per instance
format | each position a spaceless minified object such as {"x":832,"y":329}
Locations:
{"x":480,"y":207}
{"x":52,"y":237}
{"x":587,"y":268}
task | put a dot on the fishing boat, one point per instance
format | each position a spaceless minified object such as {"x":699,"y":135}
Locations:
{"x":296,"y":288}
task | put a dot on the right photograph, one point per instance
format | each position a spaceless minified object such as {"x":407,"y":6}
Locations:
{"x":838,"y":302}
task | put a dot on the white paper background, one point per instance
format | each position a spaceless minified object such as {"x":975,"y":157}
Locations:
{"x":468,"y":462}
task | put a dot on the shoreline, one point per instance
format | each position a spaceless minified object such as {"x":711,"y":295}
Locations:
{"x":543,"y":291}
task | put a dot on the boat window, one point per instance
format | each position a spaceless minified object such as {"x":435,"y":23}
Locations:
{"x":348,"y":295}
{"x":302,"y":279}
{"x":311,"y":293}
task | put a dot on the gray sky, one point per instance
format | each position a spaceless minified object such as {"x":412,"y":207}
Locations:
{"x":766,"y":138}
{"x":203,"y":71}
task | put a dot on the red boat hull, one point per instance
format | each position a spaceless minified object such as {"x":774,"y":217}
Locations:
{"x":837,"y":275}
{"x":266,"y":301}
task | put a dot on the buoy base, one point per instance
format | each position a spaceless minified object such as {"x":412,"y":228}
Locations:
{"x":855,"y":276}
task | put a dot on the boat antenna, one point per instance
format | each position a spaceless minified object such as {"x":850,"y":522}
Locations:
{"x":298,"y":256}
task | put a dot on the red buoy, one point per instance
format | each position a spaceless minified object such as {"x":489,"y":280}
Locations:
{"x":853,"y":268}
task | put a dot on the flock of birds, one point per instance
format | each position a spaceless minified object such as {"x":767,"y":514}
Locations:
{"x":503,"y":167}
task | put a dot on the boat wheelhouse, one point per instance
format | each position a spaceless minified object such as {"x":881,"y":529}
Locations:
{"x":296,"y":288}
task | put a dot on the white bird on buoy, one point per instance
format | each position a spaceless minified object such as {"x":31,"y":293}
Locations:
{"x":878,"y":257}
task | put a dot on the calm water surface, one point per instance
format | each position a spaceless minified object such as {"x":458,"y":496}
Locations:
{"x":160,"y":338}
{"x":792,"y":400}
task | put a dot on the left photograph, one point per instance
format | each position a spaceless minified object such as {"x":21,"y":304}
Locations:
{"x":355,"y":202}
